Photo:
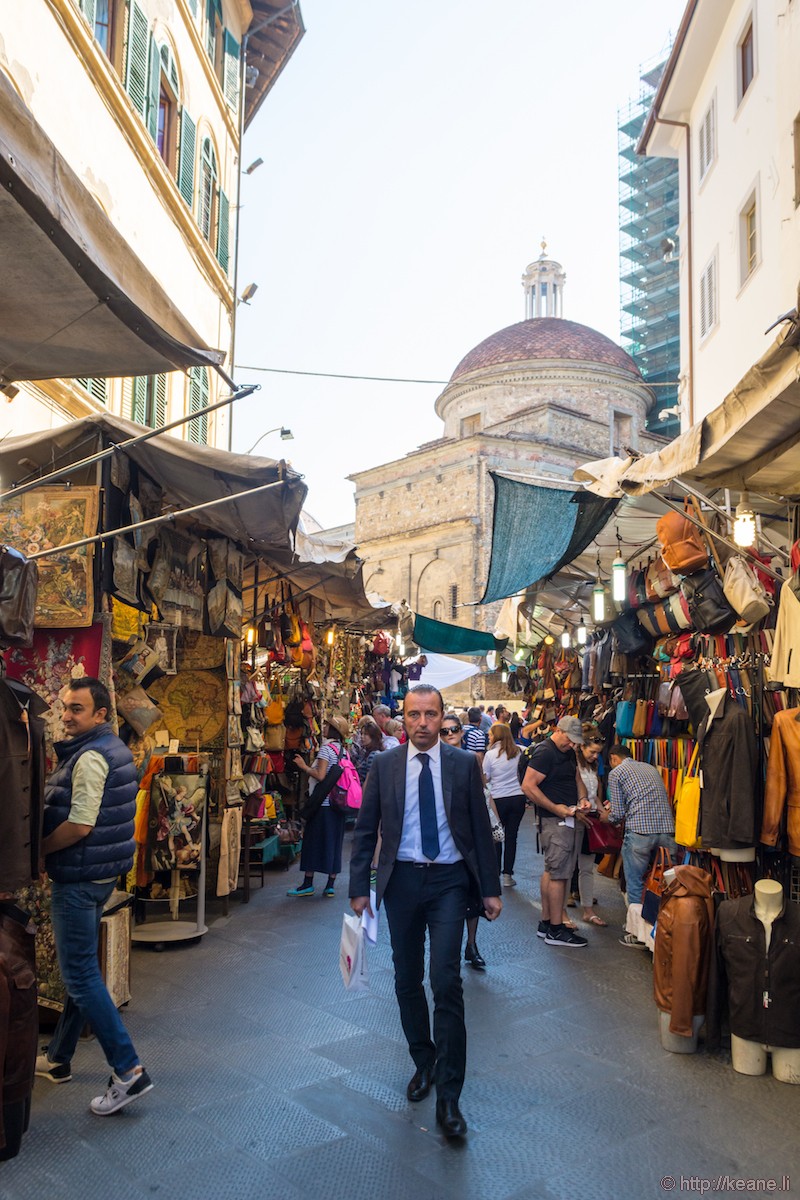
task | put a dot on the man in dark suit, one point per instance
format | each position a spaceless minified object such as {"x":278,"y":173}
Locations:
{"x":436,"y":857}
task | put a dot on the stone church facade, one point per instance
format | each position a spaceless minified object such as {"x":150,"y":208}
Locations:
{"x":533,"y":401}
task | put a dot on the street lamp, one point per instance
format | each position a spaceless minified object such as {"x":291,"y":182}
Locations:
{"x":286,"y":436}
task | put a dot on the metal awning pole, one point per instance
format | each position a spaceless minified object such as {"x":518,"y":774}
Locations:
{"x":127,"y":445}
{"x":692,"y":491}
{"x":149,"y":524}
{"x":756,"y":562}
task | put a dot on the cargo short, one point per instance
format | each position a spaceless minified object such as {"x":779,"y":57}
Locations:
{"x":561,"y":846}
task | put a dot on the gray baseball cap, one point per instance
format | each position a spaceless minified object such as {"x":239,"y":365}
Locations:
{"x":572,"y":727}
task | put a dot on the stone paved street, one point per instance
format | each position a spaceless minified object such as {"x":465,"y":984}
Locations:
{"x":271,"y":1082}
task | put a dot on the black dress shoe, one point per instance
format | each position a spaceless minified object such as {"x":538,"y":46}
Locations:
{"x":472,"y":955}
{"x":420,"y":1084}
{"x":448,"y":1115}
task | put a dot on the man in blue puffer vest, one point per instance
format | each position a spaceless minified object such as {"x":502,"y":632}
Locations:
{"x":90,"y":803}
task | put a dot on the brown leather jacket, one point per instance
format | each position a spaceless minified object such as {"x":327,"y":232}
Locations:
{"x":782,"y":793}
{"x":684,"y":942}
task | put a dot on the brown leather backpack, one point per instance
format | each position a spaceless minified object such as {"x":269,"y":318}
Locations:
{"x":681,"y":544}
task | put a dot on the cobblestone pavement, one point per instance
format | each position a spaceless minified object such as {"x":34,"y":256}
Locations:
{"x":272,"y":1083}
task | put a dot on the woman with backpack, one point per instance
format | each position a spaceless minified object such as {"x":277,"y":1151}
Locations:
{"x":324,"y":829}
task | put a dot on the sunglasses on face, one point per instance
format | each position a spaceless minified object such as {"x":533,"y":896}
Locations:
{"x":448,"y":729}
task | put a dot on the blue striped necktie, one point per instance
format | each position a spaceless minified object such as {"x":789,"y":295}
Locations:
{"x":428,"y":824}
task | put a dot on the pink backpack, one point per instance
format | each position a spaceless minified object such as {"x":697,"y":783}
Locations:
{"x":346,"y":792}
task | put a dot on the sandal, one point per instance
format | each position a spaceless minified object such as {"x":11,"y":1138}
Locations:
{"x":593,"y":919}
{"x":569,"y":925}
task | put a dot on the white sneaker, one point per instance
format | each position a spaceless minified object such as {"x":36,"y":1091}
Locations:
{"x":508,"y":881}
{"x":119,"y":1093}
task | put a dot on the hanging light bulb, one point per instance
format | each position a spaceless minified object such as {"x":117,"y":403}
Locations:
{"x":598,"y":597}
{"x":619,"y":575}
{"x":744,"y":527}
{"x":250,"y":635}
{"x":329,"y":636}
{"x":548,"y":641}
{"x":504,"y":674}
{"x":565,"y":640}
{"x":582,"y":633}
{"x":520,"y":654}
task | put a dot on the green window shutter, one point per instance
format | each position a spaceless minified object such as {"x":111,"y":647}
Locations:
{"x":153,"y":90}
{"x":96,"y":388}
{"x":89,"y":9}
{"x":186,"y":158}
{"x":211,"y":28}
{"x":159,"y":401}
{"x":170,"y":68}
{"x":193,"y":7}
{"x":223,"y":230}
{"x":139,"y":400}
{"x":136,"y":61}
{"x":231,"y":84}
{"x":198,"y":398}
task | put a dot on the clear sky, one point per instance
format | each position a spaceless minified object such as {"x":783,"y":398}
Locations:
{"x":414,"y":156}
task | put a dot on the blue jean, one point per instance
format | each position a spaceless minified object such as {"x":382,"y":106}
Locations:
{"x":76,"y":910}
{"x":637,"y":850}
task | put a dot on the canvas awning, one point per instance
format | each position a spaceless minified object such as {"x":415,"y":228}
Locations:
{"x":189,"y":474}
{"x":536,"y":530}
{"x":76,"y":301}
{"x":442,"y":638}
{"x":752,"y":440}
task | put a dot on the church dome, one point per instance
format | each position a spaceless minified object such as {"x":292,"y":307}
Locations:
{"x":545,"y":338}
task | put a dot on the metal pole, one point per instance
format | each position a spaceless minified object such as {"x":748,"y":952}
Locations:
{"x":718,"y":537}
{"x":722,"y":513}
{"x":184,"y":512}
{"x":126,"y":445}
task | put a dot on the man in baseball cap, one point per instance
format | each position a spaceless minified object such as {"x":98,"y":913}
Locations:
{"x":553,"y":783}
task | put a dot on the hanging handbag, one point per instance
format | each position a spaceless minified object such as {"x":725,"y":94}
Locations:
{"x":254,"y":740}
{"x":659,"y":581}
{"x":629,"y":636}
{"x":275,"y":710}
{"x":637,"y":590}
{"x":708,"y":608}
{"x":626,"y":711}
{"x":274,"y":737}
{"x":743,"y":590}
{"x":667,"y":616}
{"x":295,"y":630}
{"x":687,"y":805}
{"x":682,"y":547}
{"x":640,"y":719}
{"x":654,"y":886}
{"x":19,"y":582}
{"x":604,"y":837}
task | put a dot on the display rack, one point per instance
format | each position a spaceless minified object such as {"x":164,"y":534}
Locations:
{"x":156,"y":933}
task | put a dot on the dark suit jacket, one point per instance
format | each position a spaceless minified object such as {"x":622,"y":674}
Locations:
{"x":383,"y":806}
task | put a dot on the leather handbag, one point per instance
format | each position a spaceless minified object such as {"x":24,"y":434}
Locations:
{"x":626,"y":711}
{"x":603,"y":837}
{"x":659,"y":581}
{"x":630,"y":637}
{"x":682,"y":547}
{"x":667,"y":616}
{"x":19,"y":583}
{"x":275,"y":710}
{"x":708,"y":608}
{"x":274,"y":737}
{"x":640,"y":719}
{"x":654,"y":885}
{"x":744,"y":591}
{"x":637,"y":590}
{"x":687,"y":806}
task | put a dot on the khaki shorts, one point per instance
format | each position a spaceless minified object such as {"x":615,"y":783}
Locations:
{"x":561,"y":846}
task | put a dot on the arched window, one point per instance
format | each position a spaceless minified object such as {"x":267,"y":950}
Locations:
{"x":438,"y":610}
{"x":168,"y":108}
{"x":209,"y":188}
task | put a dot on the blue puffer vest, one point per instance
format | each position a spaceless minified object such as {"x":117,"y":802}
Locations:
{"x":108,"y":850}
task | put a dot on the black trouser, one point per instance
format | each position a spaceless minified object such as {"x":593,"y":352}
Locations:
{"x":510,"y":810}
{"x":433,"y":898}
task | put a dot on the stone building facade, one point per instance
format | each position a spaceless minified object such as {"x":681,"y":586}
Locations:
{"x":533,"y":401}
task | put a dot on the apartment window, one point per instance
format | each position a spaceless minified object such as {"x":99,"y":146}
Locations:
{"x":707,"y":139}
{"x":208,"y":191}
{"x":745,"y":59}
{"x":197,"y":430}
{"x":144,"y":400}
{"x":470,"y":424}
{"x":708,"y":297}
{"x":97,"y":388}
{"x":454,"y":602}
{"x":168,"y":108}
{"x":748,"y":237}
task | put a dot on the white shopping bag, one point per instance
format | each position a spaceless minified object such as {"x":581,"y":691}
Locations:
{"x":370,"y":923}
{"x":352,"y":954}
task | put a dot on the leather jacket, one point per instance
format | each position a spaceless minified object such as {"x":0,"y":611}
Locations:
{"x":782,"y":793}
{"x":760,"y":988}
{"x":683,"y":947}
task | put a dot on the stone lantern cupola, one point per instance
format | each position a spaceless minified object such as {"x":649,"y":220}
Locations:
{"x":543,"y":282}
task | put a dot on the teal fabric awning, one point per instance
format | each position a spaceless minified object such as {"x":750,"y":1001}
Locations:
{"x":441,"y":638}
{"x":536,"y":531}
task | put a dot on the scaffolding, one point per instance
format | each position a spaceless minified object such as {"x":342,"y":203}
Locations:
{"x":649,"y":283}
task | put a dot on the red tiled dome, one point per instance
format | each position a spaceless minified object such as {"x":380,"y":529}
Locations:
{"x":545,"y":337}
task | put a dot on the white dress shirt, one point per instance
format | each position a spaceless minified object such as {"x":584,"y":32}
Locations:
{"x":410,"y":848}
